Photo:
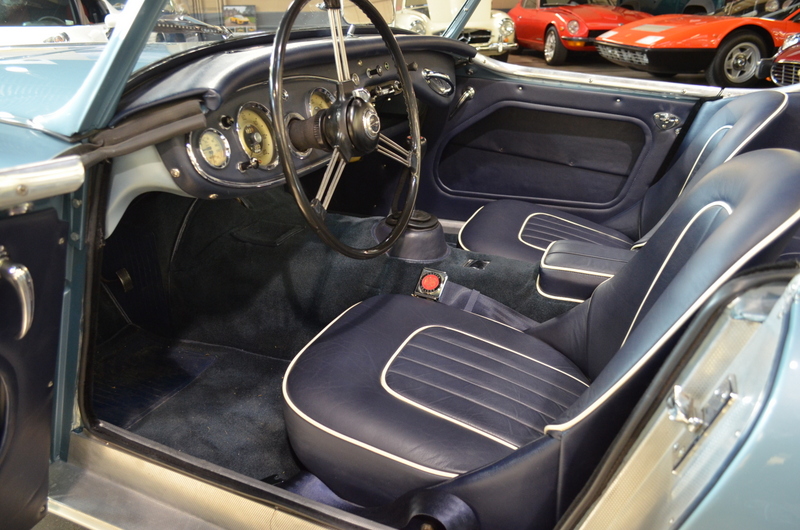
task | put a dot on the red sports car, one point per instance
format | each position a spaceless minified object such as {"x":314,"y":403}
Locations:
{"x":560,"y":26}
{"x":727,"y":45}
{"x":784,"y":68}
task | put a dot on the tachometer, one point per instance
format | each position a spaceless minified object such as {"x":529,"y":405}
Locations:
{"x":214,"y":148}
{"x":319,"y":99}
{"x":255,"y":134}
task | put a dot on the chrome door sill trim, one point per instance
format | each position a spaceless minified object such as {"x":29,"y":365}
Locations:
{"x":106,"y":487}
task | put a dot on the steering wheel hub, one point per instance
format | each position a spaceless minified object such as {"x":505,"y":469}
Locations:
{"x":363,"y":126}
{"x":349,"y":129}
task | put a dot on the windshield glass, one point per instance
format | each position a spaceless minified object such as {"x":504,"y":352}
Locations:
{"x":52,"y":46}
{"x":771,"y":9}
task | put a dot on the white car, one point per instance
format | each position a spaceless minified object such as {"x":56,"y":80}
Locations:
{"x":491,"y":32}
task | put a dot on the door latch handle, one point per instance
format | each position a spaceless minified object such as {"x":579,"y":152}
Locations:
{"x":467,"y":95}
{"x":20,"y":279}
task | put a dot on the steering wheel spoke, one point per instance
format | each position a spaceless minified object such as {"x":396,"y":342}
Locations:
{"x":351,"y":129}
{"x":337,"y":36}
{"x":331,"y":178}
{"x":393,"y":150}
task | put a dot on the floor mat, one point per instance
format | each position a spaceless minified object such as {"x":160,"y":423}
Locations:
{"x":229,"y":413}
{"x":136,"y":373}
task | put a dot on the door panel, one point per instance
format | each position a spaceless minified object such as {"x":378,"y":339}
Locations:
{"x":27,"y":365}
{"x":588,"y":151}
{"x":544,"y":155}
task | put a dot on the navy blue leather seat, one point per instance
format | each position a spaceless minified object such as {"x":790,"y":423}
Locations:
{"x":521,"y":230}
{"x":400,"y":394}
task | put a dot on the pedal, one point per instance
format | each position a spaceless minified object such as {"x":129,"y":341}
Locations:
{"x":430,"y":284}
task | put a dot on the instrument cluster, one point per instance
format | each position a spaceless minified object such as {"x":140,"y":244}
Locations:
{"x":238,"y":149}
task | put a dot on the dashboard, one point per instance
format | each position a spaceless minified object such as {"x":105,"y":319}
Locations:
{"x":235,"y":152}
{"x":238,"y":149}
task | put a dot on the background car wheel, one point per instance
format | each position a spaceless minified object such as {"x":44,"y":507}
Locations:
{"x":555,"y":53}
{"x":736,"y":61}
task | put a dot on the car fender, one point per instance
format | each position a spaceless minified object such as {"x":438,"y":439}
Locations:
{"x":694,"y":31}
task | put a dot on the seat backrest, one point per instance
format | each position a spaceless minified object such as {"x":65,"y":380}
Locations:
{"x":719,"y":132}
{"x":731,"y":218}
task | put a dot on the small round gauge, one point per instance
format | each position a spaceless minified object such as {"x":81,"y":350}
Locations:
{"x":214,"y":148}
{"x":319,"y":99}
{"x":255,"y":134}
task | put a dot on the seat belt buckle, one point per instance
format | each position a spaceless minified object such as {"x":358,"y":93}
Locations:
{"x":430,"y":284}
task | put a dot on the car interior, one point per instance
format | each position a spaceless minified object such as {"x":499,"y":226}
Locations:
{"x":572,"y":230}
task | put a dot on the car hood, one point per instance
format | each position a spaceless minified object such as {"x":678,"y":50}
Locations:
{"x":789,"y":55}
{"x":38,"y":80}
{"x":599,"y":14}
{"x":678,"y":31}
{"x":24,"y":35}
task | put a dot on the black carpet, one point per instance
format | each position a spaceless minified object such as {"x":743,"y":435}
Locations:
{"x":228,"y":413}
{"x":134,"y":374}
{"x":256,"y":278}
{"x":248,"y":286}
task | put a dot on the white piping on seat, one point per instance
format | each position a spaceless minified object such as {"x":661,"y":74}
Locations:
{"x":341,"y":436}
{"x":460,"y":423}
{"x":471,"y":217}
{"x":724,"y":277}
{"x":525,"y":222}
{"x":554,"y":297}
{"x":543,"y":265}
{"x":701,"y":211}
{"x":700,"y":155}
{"x":763,"y":124}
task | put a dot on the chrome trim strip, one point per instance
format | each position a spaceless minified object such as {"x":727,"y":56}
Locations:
{"x":80,"y":518}
{"x":9,"y":119}
{"x":660,"y":88}
{"x":40,"y":180}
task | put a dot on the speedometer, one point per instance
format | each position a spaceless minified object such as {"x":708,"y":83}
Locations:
{"x":254,"y":129}
{"x":319,"y":99}
{"x":214,"y":148}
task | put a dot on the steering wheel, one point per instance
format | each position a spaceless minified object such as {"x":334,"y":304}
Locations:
{"x":49,"y":21}
{"x":349,"y":129}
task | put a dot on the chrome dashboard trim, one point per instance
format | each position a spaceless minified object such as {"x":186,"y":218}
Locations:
{"x":297,"y":154}
{"x":639,"y":85}
{"x":223,"y":182}
{"x":226,"y":144}
{"x":268,"y":115}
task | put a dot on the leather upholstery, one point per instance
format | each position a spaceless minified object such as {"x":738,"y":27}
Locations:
{"x":572,"y":270}
{"x":459,"y":375}
{"x":717,"y":135}
{"x":523,"y":231}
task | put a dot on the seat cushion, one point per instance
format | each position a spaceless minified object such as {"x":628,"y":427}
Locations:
{"x":413,"y":399}
{"x":523,"y":231}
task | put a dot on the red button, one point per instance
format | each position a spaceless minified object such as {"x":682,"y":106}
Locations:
{"x":430,"y":282}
